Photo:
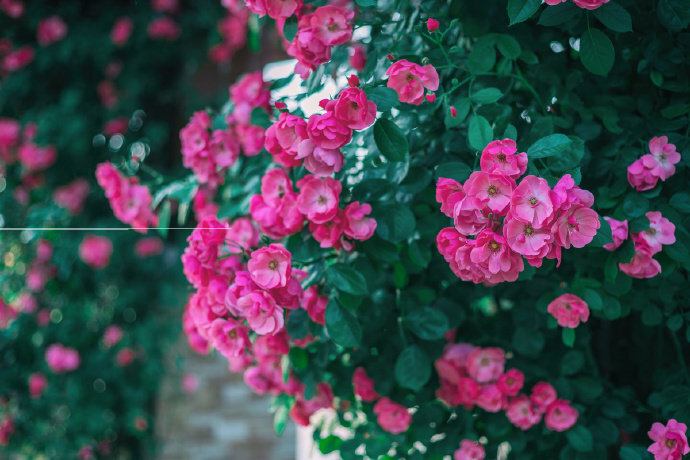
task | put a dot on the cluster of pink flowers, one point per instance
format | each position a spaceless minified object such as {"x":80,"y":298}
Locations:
{"x":130,"y":201}
{"x":72,"y":196}
{"x":163,"y":28}
{"x":509,"y":220}
{"x":16,"y":145}
{"x":62,"y":359}
{"x":316,"y":143}
{"x":393,"y":417}
{"x":95,"y":251}
{"x":236,"y":300}
{"x":670,"y":441}
{"x":472,"y":376}
{"x":51,"y":30}
{"x":148,"y":247}
{"x":317,"y":32}
{"x":41,"y":270}
{"x":569,"y":310}
{"x":410,"y":80}
{"x":645,"y":172}
{"x":233,"y":31}
{"x":210,"y":152}
{"x":661,"y":232}
{"x":280,"y":211}
{"x":585,"y":4}
{"x":469,"y":450}
{"x":13,"y":59}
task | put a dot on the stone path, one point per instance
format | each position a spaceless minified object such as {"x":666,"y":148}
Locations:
{"x":221,"y":420}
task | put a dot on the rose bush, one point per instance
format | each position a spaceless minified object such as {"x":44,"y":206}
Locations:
{"x":493,"y":268}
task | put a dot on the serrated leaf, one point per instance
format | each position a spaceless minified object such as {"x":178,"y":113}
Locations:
{"x":347,"y":279}
{"x":412,"y":368}
{"x":390,"y":140}
{"x":596,"y":52}
{"x":480,"y":132}
{"x":522,"y":10}
{"x":614,"y":17}
{"x":548,"y":146}
{"x":342,"y":326}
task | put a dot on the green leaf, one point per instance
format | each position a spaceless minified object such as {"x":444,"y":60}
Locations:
{"x":651,"y":315}
{"x":483,"y":56}
{"x":395,"y":222}
{"x":635,"y":205}
{"x":454,"y":170}
{"x":572,"y":362}
{"x":390,"y":140}
{"x":290,"y":28}
{"x":603,"y":235}
{"x":462,"y":108}
{"x":570,"y":158}
{"x":556,"y":15}
{"x":611,"y":268}
{"x":486,"y":96}
{"x":259,"y":117}
{"x":342,"y":326}
{"x":593,"y":299}
{"x":508,"y":46}
{"x":548,"y":146}
{"x":681,"y":201}
{"x":412,"y":368}
{"x":614,"y":17}
{"x":675,"y":322}
{"x":528,"y":342}
{"x":385,"y":98}
{"x":297,"y":324}
{"x":480,"y":132}
{"x":568,"y":336}
{"x":366,"y":2}
{"x":673,"y":14}
{"x":427,"y":323}
{"x":347,"y":279}
{"x":580,"y":438}
{"x":522,"y":10}
{"x":631,"y":453}
{"x":596,"y":52}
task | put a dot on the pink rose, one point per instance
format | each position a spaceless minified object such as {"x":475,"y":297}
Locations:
{"x":327,"y":131}
{"x":467,"y":392}
{"x":251,"y":138}
{"x":469,"y":450}
{"x":543,"y":394}
{"x":493,"y":190}
{"x":485,"y":364}
{"x":121,"y":31}
{"x":95,"y":251}
{"x":590,"y":4}
{"x":148,"y":247}
{"x":470,"y":215}
{"x":328,"y":233}
{"x":35,"y":158}
{"x":319,"y":161}
{"x":619,"y":232}
{"x":358,"y":58}
{"x":125,"y":357}
{"x":283,"y":137}
{"x":37,"y":383}
{"x":364,"y":386}
{"x":511,"y":382}
{"x":531,"y":202}
{"x":51,"y":30}
{"x":670,"y":441}
{"x":432,"y":24}
{"x":318,"y":198}
{"x":112,"y":335}
{"x":665,"y":155}
{"x":560,"y":416}
{"x":62,"y":359}
{"x":331,"y":24}
{"x":353,"y":109}
{"x":72,"y":195}
{"x":661,"y":231}
{"x":500,"y":157}
{"x":410,"y":80}
{"x":263,"y":315}
{"x":490,"y":398}
{"x":392,"y":416}
{"x":576,"y":227}
{"x":229,"y":337}
{"x":642,"y":264}
{"x":270,"y":266}
{"x":357,"y":225}
{"x":526,"y":239}
{"x":448,"y":193}
{"x":492,"y":255}
{"x":249,"y":92}
{"x":641,"y":173}
{"x":569,"y":310}
{"x":163,"y":28}
{"x":315,"y":304}
{"x":522,"y":413}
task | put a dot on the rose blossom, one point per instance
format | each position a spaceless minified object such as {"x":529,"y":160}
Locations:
{"x":319,"y":161}
{"x":72,"y":196}
{"x":392,"y":416}
{"x":318,"y":198}
{"x":353,"y":109}
{"x":590,"y":4}
{"x":660,"y":232}
{"x":363,"y":385}
{"x":531,"y":201}
{"x":511,"y":382}
{"x":270,"y":266}
{"x":493,"y":190}
{"x":62,"y":359}
{"x":112,"y":335}
{"x":485,"y":364}
{"x":619,"y":232}
{"x":490,"y":398}
{"x":410,"y":80}
{"x":229,"y":337}
{"x":95,"y":251}
{"x":284,"y":137}
{"x":121,"y":31}
{"x":543,"y":394}
{"x":327,"y":131}
{"x":37,"y":383}
{"x":640,"y":173}
{"x":358,"y":57}
{"x":448,"y":193}
{"x":357,"y":225}
{"x":670,"y":441}
{"x":642,"y":264}
{"x":148,"y":247}
{"x":432,"y":24}
{"x":500,"y":157}
{"x":569,"y":310}
{"x":469,"y":450}
{"x":560,"y":416}
{"x":51,"y":30}
{"x":576,"y":227}
{"x":665,"y":155}
{"x":261,"y":311}
{"x":521,"y":413}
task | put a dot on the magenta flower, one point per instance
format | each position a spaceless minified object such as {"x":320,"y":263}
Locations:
{"x":670,"y":441}
{"x":392,"y":416}
{"x":569,"y":310}
{"x":410,"y":80}
{"x":270,"y":266}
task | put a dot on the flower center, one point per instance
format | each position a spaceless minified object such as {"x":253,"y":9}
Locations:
{"x":650,"y":231}
{"x":272,"y":265}
{"x":321,"y":199}
{"x":410,"y":78}
{"x":232,"y":334}
{"x":501,"y":157}
{"x":533,"y":201}
{"x":670,"y":443}
{"x":485,"y":362}
{"x":492,"y":191}
{"x":354,"y":105}
{"x":528,"y":230}
{"x":494,"y":246}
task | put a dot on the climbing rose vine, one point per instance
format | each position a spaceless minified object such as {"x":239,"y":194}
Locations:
{"x":464,"y":235}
